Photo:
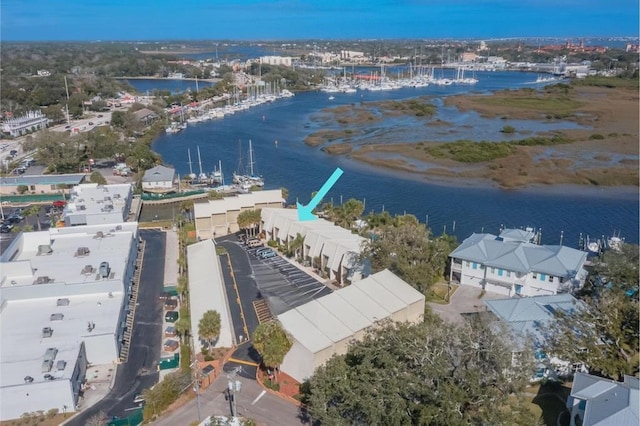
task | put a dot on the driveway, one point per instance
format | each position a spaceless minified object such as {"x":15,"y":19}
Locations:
{"x":140,"y":371}
{"x":465,"y":300}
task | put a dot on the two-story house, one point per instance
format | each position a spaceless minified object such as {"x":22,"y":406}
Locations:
{"x":511,"y":264}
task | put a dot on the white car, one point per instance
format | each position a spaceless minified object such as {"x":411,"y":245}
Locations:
{"x":138,"y":399}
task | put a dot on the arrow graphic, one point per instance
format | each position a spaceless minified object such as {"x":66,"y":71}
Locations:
{"x":304,"y":212}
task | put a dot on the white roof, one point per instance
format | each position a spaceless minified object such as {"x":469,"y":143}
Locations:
{"x":237,"y":202}
{"x":337,"y":316}
{"x":92,"y":199}
{"x":206,"y":291}
{"x":21,"y":324}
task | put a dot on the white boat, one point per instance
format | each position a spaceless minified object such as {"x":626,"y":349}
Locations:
{"x":331,"y":98}
{"x":246,"y":181}
{"x":615,"y":242}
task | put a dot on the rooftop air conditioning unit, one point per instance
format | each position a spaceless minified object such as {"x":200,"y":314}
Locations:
{"x":99,"y":234}
{"x":47,"y":331}
{"x":56,"y":317}
{"x":44,"y":249}
{"x":83,"y":251}
{"x":61,"y":364}
{"x":62,"y":302}
{"x":87,"y":270}
{"x":50,"y":353}
{"x":28,"y":379}
{"x":43,"y":280}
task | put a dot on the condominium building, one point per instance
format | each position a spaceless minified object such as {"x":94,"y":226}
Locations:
{"x":30,"y":122}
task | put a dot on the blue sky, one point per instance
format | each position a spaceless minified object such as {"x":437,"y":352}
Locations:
{"x":325,"y":19}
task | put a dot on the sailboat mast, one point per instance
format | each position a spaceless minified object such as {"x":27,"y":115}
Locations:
{"x":199,"y":161}
{"x":190,"y":169}
{"x":250,"y":158}
{"x":220,"y":170}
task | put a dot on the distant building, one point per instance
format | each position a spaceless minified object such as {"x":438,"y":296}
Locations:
{"x":64,"y":295}
{"x":30,"y":122}
{"x":469,"y":57}
{"x":511,"y":264}
{"x":277,"y":60}
{"x":43,"y":73}
{"x":216,"y":218}
{"x":159,"y":179}
{"x":597,"y":401}
{"x":145,"y":115}
{"x":40,"y":184}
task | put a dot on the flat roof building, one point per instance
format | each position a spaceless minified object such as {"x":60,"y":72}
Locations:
{"x":93,"y":204}
{"x":40,"y":184}
{"x":62,"y":306}
{"x":216,"y":218}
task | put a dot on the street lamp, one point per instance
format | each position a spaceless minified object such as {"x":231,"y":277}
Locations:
{"x":196,"y":388}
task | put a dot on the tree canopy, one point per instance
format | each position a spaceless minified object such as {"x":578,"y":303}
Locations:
{"x":209,"y":326}
{"x":602,"y":331}
{"x":406,"y":247}
{"x":426,"y":373}
{"x":272,"y":343}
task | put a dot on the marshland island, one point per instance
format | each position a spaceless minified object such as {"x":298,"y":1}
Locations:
{"x":584,"y":133}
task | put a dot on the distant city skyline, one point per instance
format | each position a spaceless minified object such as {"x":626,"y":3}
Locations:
{"x":314,"y":19}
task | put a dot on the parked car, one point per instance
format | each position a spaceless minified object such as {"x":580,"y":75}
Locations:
{"x":6,"y":227}
{"x":170,"y":304}
{"x":59,"y":203}
{"x":171,"y":316}
{"x":13,"y":152}
{"x":268,"y":254}
{"x":171,"y":345}
{"x":262,"y":250}
{"x":139,"y":399}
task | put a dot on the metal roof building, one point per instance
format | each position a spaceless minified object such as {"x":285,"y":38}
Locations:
{"x":510,"y":264}
{"x":327,"y":325}
{"x":599,"y":402}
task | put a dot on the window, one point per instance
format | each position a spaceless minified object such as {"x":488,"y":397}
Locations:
{"x":467,"y":264}
{"x":543,"y":277}
{"x":493,"y":270}
{"x":550,"y":278}
{"x":535,"y":276}
{"x":475,"y":265}
{"x":481,"y":266}
{"x":509,"y":274}
{"x":32,"y":187}
{"x":500,"y":272}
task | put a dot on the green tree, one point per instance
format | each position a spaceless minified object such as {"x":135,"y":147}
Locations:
{"x":249,"y":221}
{"x":272,"y":343}
{"x":58,"y":151}
{"x":33,"y":211}
{"x":427,"y":373}
{"x":602,"y":331}
{"x":96,"y":177}
{"x":285,"y":193}
{"x":407,"y":249}
{"x":117,"y":119}
{"x":183,"y":327}
{"x":209,"y":326}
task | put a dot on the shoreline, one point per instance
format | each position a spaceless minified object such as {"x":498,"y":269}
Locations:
{"x":206,"y":80}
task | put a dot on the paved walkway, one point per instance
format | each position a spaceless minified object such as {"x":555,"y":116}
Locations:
{"x":465,"y":300}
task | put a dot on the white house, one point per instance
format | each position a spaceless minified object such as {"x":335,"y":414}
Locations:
{"x":597,"y":401}
{"x":511,"y":264}
{"x":159,"y":179}
{"x":30,"y":122}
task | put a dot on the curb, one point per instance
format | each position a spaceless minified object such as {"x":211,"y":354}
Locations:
{"x":275,"y":393}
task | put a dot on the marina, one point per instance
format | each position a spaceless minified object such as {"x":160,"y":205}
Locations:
{"x":557,"y":210}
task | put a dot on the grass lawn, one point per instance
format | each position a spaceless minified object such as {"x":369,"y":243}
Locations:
{"x":549,"y":402}
{"x":438,"y":293}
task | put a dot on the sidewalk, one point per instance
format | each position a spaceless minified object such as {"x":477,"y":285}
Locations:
{"x":465,"y":300}
{"x":171,"y":258}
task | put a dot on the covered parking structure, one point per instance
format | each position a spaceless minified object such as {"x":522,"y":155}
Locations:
{"x":326,"y":326}
{"x":332,"y":250}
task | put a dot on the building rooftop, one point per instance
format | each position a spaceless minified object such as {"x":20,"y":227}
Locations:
{"x":68,"y":179}
{"x":159,"y":174}
{"x":91,"y":199}
{"x":237,"y":202}
{"x":608,"y":402}
{"x":520,"y":256}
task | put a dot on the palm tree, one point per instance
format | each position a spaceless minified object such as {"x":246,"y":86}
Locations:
{"x":272,"y":343}
{"x":209,"y":326}
{"x":249,"y":221}
{"x":295,"y":245}
{"x":34,"y":210}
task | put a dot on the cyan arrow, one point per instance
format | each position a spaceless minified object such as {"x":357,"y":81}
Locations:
{"x":304,"y":212}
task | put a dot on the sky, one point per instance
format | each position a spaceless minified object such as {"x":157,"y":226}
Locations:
{"x":36,"y":20}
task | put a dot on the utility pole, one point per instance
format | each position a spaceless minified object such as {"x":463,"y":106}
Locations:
{"x":233,"y":386}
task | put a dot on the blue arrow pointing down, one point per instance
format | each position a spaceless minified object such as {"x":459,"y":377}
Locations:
{"x":305,"y":212}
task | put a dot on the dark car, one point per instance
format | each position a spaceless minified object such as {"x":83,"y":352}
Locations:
{"x":13,"y":152}
{"x":171,"y":316}
{"x":6,"y":227}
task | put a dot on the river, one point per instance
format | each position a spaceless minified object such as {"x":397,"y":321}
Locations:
{"x":561,"y":212}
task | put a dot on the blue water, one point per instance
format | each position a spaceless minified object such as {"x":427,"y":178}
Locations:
{"x":560,"y":212}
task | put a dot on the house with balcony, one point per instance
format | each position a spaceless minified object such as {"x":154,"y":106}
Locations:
{"x":511,"y":264}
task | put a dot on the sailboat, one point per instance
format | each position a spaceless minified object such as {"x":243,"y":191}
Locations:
{"x":217,"y":178}
{"x":202,"y":177}
{"x":247,"y":181}
{"x":192,"y":176}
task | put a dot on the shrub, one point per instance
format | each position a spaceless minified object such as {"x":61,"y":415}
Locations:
{"x":596,"y":136}
{"x":22,"y":189}
{"x":508,"y":129}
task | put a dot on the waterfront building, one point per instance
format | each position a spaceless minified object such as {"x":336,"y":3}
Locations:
{"x":93,"y":204}
{"x":525,"y":319}
{"x":511,"y":264}
{"x":64,"y":295}
{"x":599,"y":401}
{"x":215,"y":218}
{"x":159,"y":179}
{"x":325,"y":327}
{"x":40,"y":184}
{"x":30,"y":122}
{"x":332,"y":250}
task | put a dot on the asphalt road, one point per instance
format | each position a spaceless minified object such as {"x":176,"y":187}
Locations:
{"x":140,"y":371}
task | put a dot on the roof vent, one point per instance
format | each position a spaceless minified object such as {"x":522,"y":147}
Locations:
{"x":99,"y":234}
{"x":47,"y":331}
{"x":56,"y":317}
{"x":28,"y":379}
{"x":87,"y":270}
{"x":62,"y":302}
{"x":44,"y":249}
{"x":61,"y":364}
{"x":82,"y":251}
{"x":50,"y":354}
{"x":44,"y":279}
{"x":48,"y":376}
{"x":47,"y":364}
{"x":119,"y":228}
